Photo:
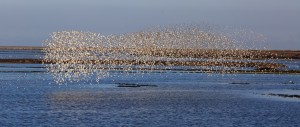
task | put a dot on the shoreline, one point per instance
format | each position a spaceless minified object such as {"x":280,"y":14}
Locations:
{"x":198,"y":53}
{"x":259,"y":67}
{"x":21,"y":47}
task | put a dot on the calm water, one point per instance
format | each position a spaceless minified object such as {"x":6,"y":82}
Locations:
{"x":29,"y":97}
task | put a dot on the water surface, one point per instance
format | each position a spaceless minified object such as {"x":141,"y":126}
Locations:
{"x":30,"y":97}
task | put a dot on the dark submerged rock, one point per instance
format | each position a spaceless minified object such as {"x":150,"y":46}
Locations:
{"x":134,"y":85}
{"x":285,"y":95}
{"x":242,"y":83}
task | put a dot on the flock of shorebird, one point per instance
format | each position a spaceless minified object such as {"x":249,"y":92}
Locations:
{"x":77,"y":55}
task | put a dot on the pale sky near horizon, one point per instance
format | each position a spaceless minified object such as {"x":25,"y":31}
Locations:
{"x":29,"y":22}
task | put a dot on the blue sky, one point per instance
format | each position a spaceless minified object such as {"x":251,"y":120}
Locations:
{"x":29,"y":22}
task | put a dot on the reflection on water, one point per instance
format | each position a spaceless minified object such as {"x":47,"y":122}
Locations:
{"x":180,"y":99}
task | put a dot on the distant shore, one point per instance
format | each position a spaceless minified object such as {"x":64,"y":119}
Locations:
{"x":194,"y":53}
{"x":21,"y":47}
{"x":202,"y":53}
